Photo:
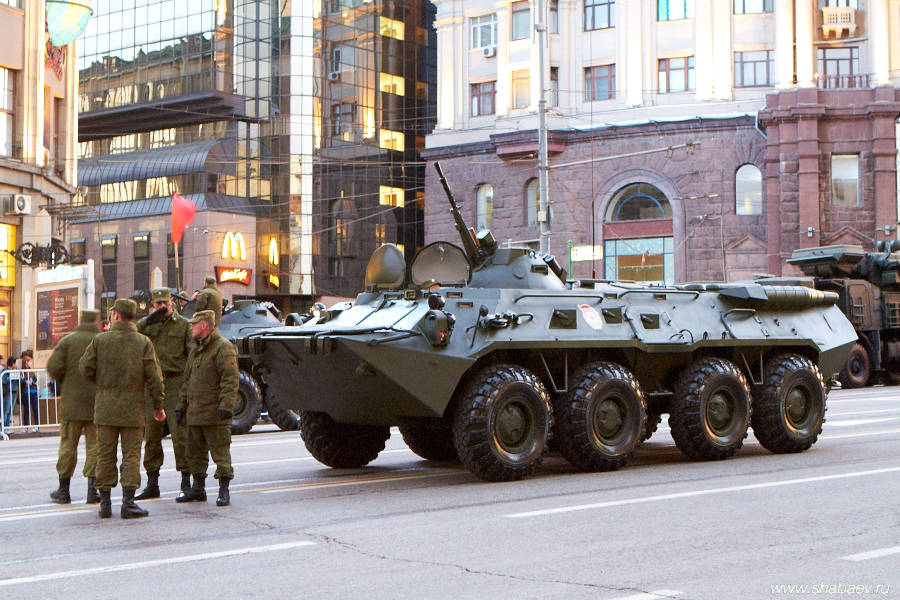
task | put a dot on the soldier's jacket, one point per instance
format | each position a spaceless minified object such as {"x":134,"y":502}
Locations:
{"x":210,"y":380}
{"x":210,"y":298}
{"x":77,"y":392}
{"x":172,"y":341}
{"x":123,"y":364}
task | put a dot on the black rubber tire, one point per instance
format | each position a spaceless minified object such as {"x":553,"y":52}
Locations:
{"x":248,"y":405}
{"x":857,"y":370}
{"x":601,"y":423}
{"x":789,"y":407}
{"x":431,"y":442}
{"x":891,"y":374}
{"x":285,"y":418}
{"x":710,"y":389}
{"x":339,"y":445}
{"x":654,"y":418}
{"x":501,"y":423}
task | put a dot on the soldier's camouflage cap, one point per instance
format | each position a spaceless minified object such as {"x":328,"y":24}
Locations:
{"x":89,"y":316}
{"x":204,"y":315}
{"x":161,"y":294}
{"x":125,"y":306}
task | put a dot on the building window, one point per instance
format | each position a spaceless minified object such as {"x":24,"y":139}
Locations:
{"x":676,"y":74}
{"x":107,"y":299}
{"x":838,"y":3}
{"x":554,"y":16}
{"x":484,"y":206}
{"x":13,"y":3}
{"x":639,"y":202}
{"x":599,"y":14}
{"x":521,"y":88}
{"x":76,"y":251}
{"x":172,"y":278}
{"x":532,"y":201}
{"x":554,"y":86}
{"x":754,"y":69}
{"x":673,"y":10}
{"x":141,"y":242}
{"x":600,"y":83}
{"x":748,"y":190}
{"x":337,"y":228}
{"x":649,"y":260}
{"x":391,"y":140}
{"x":837,"y":62}
{"x":392,"y":84}
{"x":753,"y":7}
{"x":521,"y":20}
{"x":845,"y":179}
{"x":109,"y":245}
{"x":342,"y":119}
{"x":391,"y":28}
{"x":7,"y":104}
{"x":380,"y":234}
{"x":483,"y":95}
{"x":484,"y":31}
{"x":390,"y":196}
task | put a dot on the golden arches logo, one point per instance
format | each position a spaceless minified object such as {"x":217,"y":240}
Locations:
{"x":234,"y":246}
{"x":273,"y":251}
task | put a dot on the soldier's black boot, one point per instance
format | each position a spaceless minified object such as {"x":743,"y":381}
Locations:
{"x":61,"y":494}
{"x":224,"y":498}
{"x":92,"y":496}
{"x":197,"y":492}
{"x":185,"y":481}
{"x":130,"y":510}
{"x":152,"y":489}
{"x":105,"y":505}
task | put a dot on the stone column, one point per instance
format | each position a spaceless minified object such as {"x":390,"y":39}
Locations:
{"x":504,"y":75}
{"x":784,"y":43}
{"x":703,"y":52}
{"x":723,"y":51}
{"x":884,"y":150}
{"x":879,"y":49}
{"x":629,"y":31}
{"x":805,"y":52}
{"x":448,"y":67}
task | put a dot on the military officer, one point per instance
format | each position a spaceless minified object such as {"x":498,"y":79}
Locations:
{"x":77,"y":414}
{"x":206,"y":404}
{"x":210,"y":298}
{"x":123,"y":365}
{"x":171,"y":337}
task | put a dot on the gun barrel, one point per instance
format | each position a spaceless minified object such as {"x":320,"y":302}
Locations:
{"x":473,"y":253}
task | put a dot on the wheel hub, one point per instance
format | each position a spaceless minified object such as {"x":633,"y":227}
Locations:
{"x":513,"y":425}
{"x":608,"y":418}
{"x":720,"y":412}
{"x":797,"y":406}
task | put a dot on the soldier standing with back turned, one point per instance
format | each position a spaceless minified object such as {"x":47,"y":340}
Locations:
{"x":77,"y":413}
{"x":123,"y":365}
{"x":210,"y":298}
{"x":171,"y":337}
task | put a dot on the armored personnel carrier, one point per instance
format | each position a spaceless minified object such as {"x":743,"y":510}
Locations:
{"x":483,"y":353}
{"x":868,"y":288}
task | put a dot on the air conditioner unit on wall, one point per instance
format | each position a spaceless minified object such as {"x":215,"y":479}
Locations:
{"x":21,"y":204}
{"x":334,"y":76}
{"x":489,"y":51}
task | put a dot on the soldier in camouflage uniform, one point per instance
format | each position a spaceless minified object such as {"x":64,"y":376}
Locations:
{"x":210,"y":298}
{"x":123,"y":365}
{"x":77,"y":414}
{"x":207,"y":401}
{"x":171,"y":337}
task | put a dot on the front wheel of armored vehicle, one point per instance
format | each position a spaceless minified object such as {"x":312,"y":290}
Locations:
{"x":601,"y":422}
{"x":431,"y":441}
{"x":857,"y":369}
{"x":710,"y":410}
{"x":501,"y":423}
{"x":340,"y":445}
{"x":248,"y":404}
{"x":789,"y":406}
{"x":285,"y":418}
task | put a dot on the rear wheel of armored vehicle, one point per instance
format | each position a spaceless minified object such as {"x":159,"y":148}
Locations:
{"x":248,"y":404}
{"x":601,"y":422}
{"x":340,"y":445}
{"x":857,"y":369}
{"x":430,"y":441}
{"x":285,"y":418}
{"x":789,"y":406}
{"x":710,"y":410}
{"x":501,"y":423}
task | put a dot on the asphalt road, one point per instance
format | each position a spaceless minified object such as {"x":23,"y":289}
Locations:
{"x":663,"y":527}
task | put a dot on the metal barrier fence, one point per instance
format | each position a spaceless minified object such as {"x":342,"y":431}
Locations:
{"x":29,"y":401}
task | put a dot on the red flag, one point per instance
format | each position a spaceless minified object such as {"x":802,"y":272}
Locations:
{"x":183,"y":211}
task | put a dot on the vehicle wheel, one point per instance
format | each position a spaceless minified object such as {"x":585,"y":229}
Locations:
{"x":340,"y":445}
{"x":711,"y":410}
{"x":501,"y":423}
{"x":789,"y":406}
{"x":601,"y":422}
{"x":891,"y":374}
{"x":248,"y":404}
{"x":654,"y":418}
{"x":285,"y":418}
{"x":858,"y":369}
{"x":431,"y":442}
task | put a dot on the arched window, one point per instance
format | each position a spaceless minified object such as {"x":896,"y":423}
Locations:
{"x":639,"y":202}
{"x":532,"y":201}
{"x":627,"y":254}
{"x":748,"y":190}
{"x":484,"y":206}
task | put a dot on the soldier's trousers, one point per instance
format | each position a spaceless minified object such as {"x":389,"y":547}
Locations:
{"x":69,"y":434}
{"x":153,"y":433}
{"x":107,"y":443}
{"x":210,"y":440}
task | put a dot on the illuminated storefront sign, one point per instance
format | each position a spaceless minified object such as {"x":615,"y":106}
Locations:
{"x":273,"y":251}
{"x":274,"y":280}
{"x":233,"y":275}
{"x":7,"y":262}
{"x":234,"y":247}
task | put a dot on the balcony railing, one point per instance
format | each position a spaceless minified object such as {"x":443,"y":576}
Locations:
{"x":842,"y":82}
{"x":836,"y":19}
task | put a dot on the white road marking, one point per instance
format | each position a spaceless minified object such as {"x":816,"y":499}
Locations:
{"x":843,"y":436}
{"x":881,"y":552}
{"x":315,"y":484}
{"x":694,"y":493}
{"x":153,"y":563}
{"x":855,"y":422}
{"x":657,"y":595}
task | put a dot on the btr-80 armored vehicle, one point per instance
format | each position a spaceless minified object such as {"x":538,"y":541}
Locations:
{"x":483,"y":353}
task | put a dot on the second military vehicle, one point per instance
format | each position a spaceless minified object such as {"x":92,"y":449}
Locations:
{"x":482,"y":353}
{"x":868,"y":288}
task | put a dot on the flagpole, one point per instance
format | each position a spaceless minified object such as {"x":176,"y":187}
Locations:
{"x":177,"y":270}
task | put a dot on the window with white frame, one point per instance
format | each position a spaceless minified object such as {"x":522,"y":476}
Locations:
{"x":521,"y":20}
{"x":484,"y":206}
{"x":532,"y":201}
{"x":673,"y":10}
{"x":7,"y":104}
{"x":599,"y":14}
{"x":753,"y":7}
{"x":484,"y":31}
{"x":676,"y":75}
{"x":554,"y":16}
{"x":748,"y":190}
{"x":521,"y":88}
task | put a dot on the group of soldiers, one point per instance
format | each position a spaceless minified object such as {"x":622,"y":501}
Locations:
{"x":132,"y":383}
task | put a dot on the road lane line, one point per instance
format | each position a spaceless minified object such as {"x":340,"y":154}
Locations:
{"x":880,"y":553}
{"x":709,"y":492}
{"x":857,"y":422}
{"x":843,"y":436}
{"x":316,"y":484}
{"x":657,"y":595}
{"x":160,"y":562}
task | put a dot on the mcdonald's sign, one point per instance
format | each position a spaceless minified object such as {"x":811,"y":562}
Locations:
{"x":234,"y":247}
{"x":233,"y":274}
{"x":273,"y":250}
